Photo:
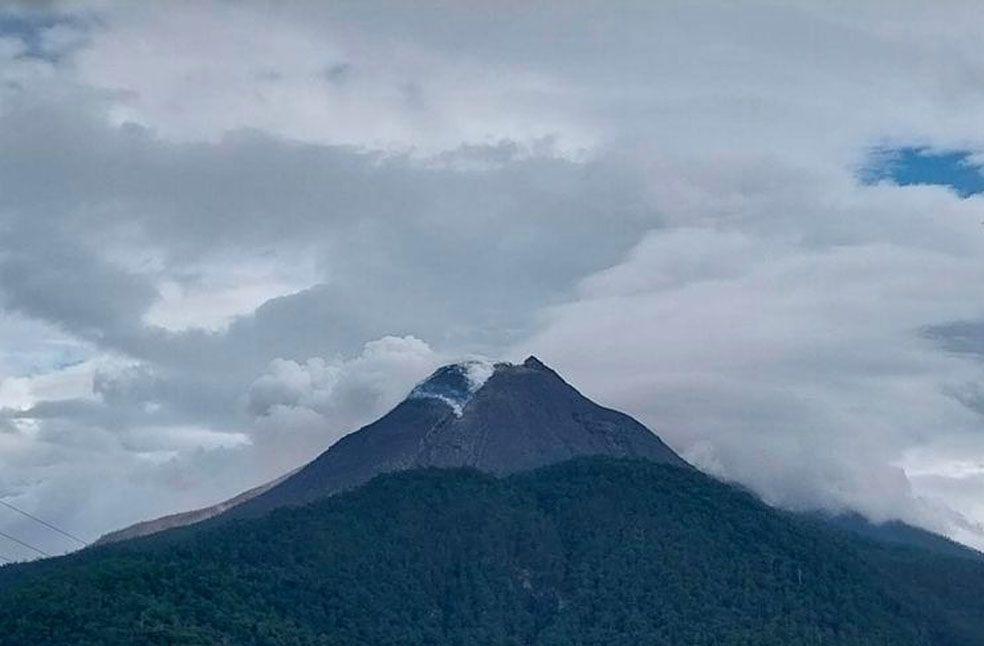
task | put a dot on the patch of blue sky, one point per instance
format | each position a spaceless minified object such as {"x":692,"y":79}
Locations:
{"x":33,"y":348}
{"x":958,"y":170}
{"x":43,"y":360}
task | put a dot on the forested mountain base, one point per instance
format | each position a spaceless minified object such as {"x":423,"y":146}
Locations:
{"x":593,"y":551}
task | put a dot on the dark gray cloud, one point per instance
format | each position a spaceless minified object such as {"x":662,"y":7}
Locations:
{"x":962,"y":337}
{"x":488,"y":242}
{"x":46,"y":276}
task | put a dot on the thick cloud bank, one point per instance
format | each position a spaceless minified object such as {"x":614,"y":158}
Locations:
{"x":232,"y":232}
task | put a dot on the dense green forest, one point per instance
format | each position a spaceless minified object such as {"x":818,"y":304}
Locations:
{"x":593,"y":551}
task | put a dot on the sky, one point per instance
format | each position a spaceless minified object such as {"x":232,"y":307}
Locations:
{"x":232,"y":232}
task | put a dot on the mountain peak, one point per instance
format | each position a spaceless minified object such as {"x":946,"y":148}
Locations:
{"x":499,"y":418}
{"x":455,"y":384}
{"x":496,"y":417}
{"x":534,"y":364}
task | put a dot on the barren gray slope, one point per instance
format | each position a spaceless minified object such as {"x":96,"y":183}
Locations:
{"x":181,"y":519}
{"x":524,"y":416}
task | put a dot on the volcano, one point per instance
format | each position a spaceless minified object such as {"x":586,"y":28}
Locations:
{"x":500,"y":418}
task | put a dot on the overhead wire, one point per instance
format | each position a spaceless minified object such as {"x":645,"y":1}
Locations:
{"x":23,"y":544}
{"x":43,"y":522}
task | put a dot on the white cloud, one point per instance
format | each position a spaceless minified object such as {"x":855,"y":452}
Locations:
{"x":207,"y":69}
{"x":73,"y":381}
{"x":210,"y":296}
{"x":797,"y":370}
{"x":67,"y":465}
{"x":301,"y":408}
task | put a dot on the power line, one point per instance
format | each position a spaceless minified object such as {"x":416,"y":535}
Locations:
{"x":44,"y":522}
{"x":20,"y":542}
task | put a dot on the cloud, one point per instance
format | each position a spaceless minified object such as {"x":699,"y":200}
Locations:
{"x":300,"y":408}
{"x":799,"y":371}
{"x":60,"y":451}
{"x":317,"y":77}
{"x":227,"y":227}
{"x":68,"y":285}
